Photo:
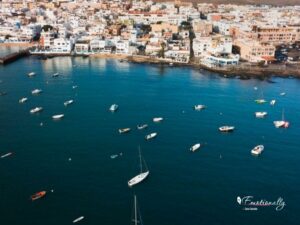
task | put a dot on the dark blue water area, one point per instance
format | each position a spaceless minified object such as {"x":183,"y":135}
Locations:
{"x":183,"y":187}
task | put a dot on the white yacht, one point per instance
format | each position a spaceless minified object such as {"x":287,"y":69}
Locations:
{"x":58,"y":116}
{"x":199,"y":107}
{"x":260,"y":101}
{"x":226,"y":128}
{"x":124,"y":130}
{"x":272,"y":102}
{"x":36,"y":91}
{"x":257,"y":150}
{"x":157,"y":119}
{"x":142,"y":126}
{"x":78,"y":219}
{"x":36,"y":110}
{"x":281,"y":123}
{"x":141,"y":176}
{"x":31,"y":74}
{"x":260,"y":114}
{"x":69,"y":102}
{"x":23,"y":100}
{"x":55,"y":75}
{"x":282,"y":94}
{"x":113,"y":107}
{"x":150,"y":136}
{"x":195,"y":147}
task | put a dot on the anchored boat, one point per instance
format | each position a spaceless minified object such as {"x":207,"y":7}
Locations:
{"x":150,"y":136}
{"x":142,"y":175}
{"x":195,"y":147}
{"x":257,"y":150}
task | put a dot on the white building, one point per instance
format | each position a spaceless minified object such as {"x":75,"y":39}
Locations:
{"x":122,"y":47}
{"x":62,"y":45}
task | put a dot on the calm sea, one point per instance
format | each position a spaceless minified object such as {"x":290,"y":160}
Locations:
{"x":71,"y":157}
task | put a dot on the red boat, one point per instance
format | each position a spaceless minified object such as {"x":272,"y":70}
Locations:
{"x":38,"y":195}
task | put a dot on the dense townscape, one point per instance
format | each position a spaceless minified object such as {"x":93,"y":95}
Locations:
{"x":175,"y":31}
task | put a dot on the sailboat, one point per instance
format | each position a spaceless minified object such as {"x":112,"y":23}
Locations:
{"x":261,"y":100}
{"x":137,"y":219}
{"x":141,"y":176}
{"x":281,"y":123}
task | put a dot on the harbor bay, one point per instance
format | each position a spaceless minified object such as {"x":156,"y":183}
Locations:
{"x":71,"y":158}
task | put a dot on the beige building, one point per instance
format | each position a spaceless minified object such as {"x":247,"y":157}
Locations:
{"x":202,"y":28}
{"x":277,"y":35}
{"x":254,"y":51}
{"x":159,"y":27}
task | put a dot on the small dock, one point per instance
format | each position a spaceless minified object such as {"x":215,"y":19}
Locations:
{"x":14,"y":56}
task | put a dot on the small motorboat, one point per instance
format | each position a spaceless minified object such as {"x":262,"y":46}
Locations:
{"x":157,"y":119}
{"x":58,"y":116}
{"x":78,"y":219}
{"x":31,"y":74}
{"x":38,"y":195}
{"x":199,"y":107}
{"x":6,"y":155}
{"x":36,"y":91}
{"x":282,"y":94}
{"x":272,"y":102}
{"x":74,"y":86}
{"x":150,"y":136}
{"x":260,"y":101}
{"x":226,"y":128}
{"x":142,"y":126}
{"x":55,"y":75}
{"x":113,"y":107}
{"x":69,"y":102}
{"x":281,"y":124}
{"x":36,"y":110}
{"x":114,"y":156}
{"x":257,"y":150}
{"x":23,"y":100}
{"x":195,"y":147}
{"x":260,"y":114}
{"x":124,"y":130}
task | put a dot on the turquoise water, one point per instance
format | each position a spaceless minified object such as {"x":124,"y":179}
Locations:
{"x":183,"y":187}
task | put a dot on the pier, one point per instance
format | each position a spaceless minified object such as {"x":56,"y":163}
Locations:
{"x":14,"y":56}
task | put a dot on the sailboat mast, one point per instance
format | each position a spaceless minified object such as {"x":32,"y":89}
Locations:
{"x":141,"y":166}
{"x":135,"y":211}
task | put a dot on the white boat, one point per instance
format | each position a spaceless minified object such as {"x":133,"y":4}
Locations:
{"x":69,"y":102}
{"x":124,"y":130}
{"x":195,"y":147}
{"x":78,"y":219}
{"x":157,"y":119}
{"x":260,"y":114}
{"x":226,"y":128}
{"x":150,"y":136}
{"x":199,"y":107}
{"x":282,"y":93}
{"x":58,"y":116}
{"x":113,"y":107}
{"x":55,"y":75}
{"x":272,"y":102}
{"x":141,"y":176}
{"x":36,"y":91}
{"x":260,"y":101}
{"x":23,"y":100}
{"x":257,"y":150}
{"x":142,"y":126}
{"x":281,"y":123}
{"x":74,"y":86}
{"x":31,"y":74}
{"x":6,"y":155}
{"x":36,"y":110}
